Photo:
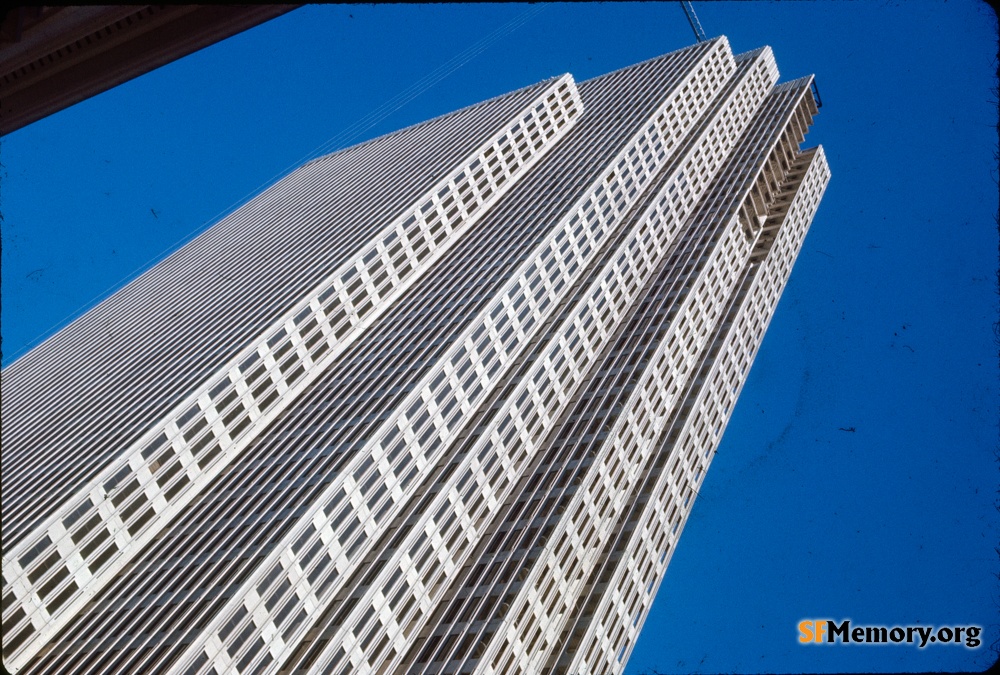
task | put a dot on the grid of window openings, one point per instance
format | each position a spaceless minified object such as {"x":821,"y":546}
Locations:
{"x":463,"y":439}
{"x":489,"y":472}
{"x":671,"y":477}
{"x":280,"y":245}
{"x":132,"y":588}
{"x":88,"y":539}
{"x":463,"y":377}
{"x":617,"y":619}
{"x":508,"y":552}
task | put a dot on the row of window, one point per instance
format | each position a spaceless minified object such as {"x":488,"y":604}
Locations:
{"x":599,"y":653}
{"x":610,"y":632}
{"x":721,"y":274}
{"x":181,"y":456}
{"x":597,"y":202}
{"x":530,"y":643}
{"x":339,"y":237}
{"x":355,"y":537}
{"x":304,"y":431}
{"x":606,"y":490}
{"x":682,"y":184}
{"x":508,"y":553}
{"x":479,"y":487}
{"x":591,"y":510}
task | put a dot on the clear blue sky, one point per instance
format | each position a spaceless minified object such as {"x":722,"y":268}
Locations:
{"x":886,"y":327}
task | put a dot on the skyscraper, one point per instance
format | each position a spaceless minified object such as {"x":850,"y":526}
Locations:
{"x":437,"y":402}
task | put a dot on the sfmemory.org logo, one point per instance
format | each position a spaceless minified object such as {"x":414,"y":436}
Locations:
{"x":829,"y":631}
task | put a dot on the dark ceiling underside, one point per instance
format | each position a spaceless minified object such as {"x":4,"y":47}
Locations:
{"x":53,"y":57}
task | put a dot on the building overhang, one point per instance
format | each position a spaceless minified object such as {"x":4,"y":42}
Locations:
{"x":53,"y":57}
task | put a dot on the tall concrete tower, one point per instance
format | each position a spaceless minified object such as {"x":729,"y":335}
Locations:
{"x":439,"y":402}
